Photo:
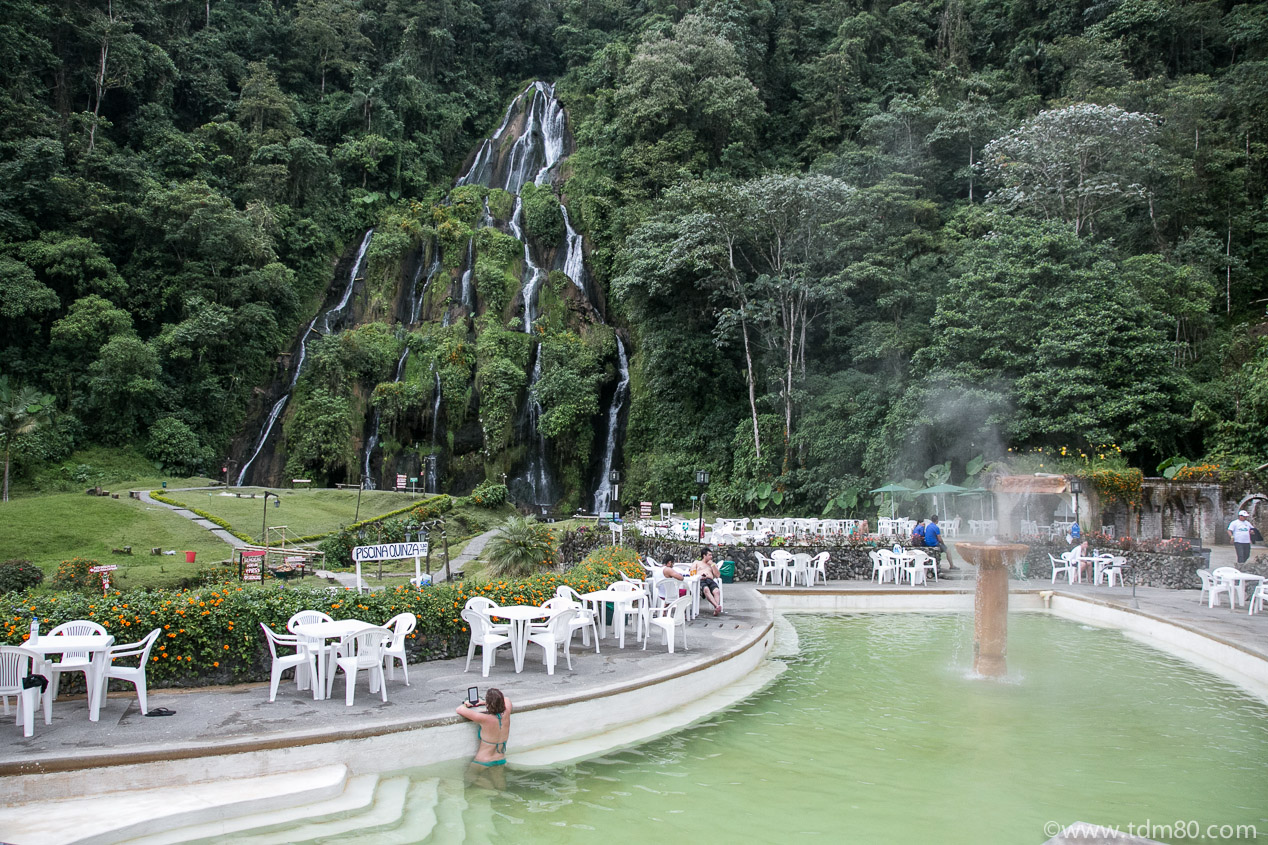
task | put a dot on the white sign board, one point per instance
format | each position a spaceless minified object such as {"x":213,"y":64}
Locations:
{"x":400,"y":482}
{"x":390,"y":551}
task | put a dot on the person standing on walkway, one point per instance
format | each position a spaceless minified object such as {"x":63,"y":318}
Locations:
{"x":1239,"y":533}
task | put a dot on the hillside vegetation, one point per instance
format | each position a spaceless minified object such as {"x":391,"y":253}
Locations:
{"x":845,"y":240}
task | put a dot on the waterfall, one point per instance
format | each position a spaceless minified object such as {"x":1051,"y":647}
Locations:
{"x":603,"y":495}
{"x":337,"y":311}
{"x":468,"y":290}
{"x":429,"y":485}
{"x":537,"y":473}
{"x":417,"y":295}
{"x":535,"y":273}
{"x":574,"y":255}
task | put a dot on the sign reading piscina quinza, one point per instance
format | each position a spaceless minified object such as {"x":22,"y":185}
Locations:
{"x":389,"y":551}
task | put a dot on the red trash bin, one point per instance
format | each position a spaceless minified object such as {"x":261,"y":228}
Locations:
{"x":189,"y":556}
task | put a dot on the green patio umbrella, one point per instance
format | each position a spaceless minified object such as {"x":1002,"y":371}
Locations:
{"x":939,"y":489}
{"x":976,"y":491}
{"x":893,"y":488}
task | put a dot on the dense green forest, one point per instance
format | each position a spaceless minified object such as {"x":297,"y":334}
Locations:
{"x":843,"y":240}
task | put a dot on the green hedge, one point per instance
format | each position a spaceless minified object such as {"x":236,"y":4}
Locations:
{"x":212,"y":635}
{"x":159,"y":496}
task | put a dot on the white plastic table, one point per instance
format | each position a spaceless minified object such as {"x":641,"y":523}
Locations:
{"x":98,"y":648}
{"x":322,"y":631}
{"x":519,"y":615}
{"x":1239,"y":580}
{"x":595,"y":600}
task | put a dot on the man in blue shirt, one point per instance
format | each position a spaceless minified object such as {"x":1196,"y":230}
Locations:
{"x":933,"y":540}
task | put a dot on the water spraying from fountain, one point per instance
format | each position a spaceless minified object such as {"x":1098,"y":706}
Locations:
{"x":603,"y":495}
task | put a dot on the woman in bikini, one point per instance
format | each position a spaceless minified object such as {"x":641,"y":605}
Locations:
{"x":493,"y":726}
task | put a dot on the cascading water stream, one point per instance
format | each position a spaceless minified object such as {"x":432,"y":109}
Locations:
{"x":603,"y":495}
{"x":416,"y":306}
{"x":468,"y":289}
{"x":574,"y":255}
{"x":429,"y":485}
{"x":337,"y":312}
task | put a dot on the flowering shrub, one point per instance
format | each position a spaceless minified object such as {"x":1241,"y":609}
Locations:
{"x":212,"y":635}
{"x":1119,"y":485}
{"x":73,"y":574}
{"x":489,"y":495}
{"x":19,"y":575}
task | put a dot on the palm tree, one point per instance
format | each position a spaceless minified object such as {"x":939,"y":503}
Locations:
{"x":21,"y":412}
{"x":521,"y":547}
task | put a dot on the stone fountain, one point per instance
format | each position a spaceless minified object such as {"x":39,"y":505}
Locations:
{"x":990,"y":603}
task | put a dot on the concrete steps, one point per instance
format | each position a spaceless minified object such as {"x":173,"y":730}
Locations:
{"x":122,"y":816}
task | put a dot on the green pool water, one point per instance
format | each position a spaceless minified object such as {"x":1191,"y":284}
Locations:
{"x":875,"y":733}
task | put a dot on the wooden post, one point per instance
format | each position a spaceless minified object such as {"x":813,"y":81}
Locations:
{"x":444,"y":538}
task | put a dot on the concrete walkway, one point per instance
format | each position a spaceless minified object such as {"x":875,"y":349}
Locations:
{"x":224,"y":720}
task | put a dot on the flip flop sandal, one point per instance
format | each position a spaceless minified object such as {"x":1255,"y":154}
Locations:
{"x":161,"y":711}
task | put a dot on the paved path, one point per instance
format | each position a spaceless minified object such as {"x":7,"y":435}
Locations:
{"x":472,"y":550}
{"x":201,"y":522}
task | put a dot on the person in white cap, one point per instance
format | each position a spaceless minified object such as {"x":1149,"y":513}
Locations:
{"x":1239,"y":533}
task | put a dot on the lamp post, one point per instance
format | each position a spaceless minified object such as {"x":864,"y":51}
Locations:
{"x":1076,"y":487}
{"x":357,"y":516}
{"x":702,"y":478}
{"x":264,"y":520}
{"x":614,"y":479}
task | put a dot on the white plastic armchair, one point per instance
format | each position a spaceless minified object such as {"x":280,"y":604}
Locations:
{"x":799,"y":569}
{"x":1221,"y":578}
{"x":321,"y":649}
{"x":820,"y":567}
{"x":72,"y":661}
{"x":885,"y":566}
{"x":927,"y":563}
{"x":485,"y":605}
{"x":484,"y":636}
{"x":555,"y":633}
{"x":768,"y":569}
{"x":134,"y":675}
{"x":281,"y":662}
{"x":1256,"y":603}
{"x":362,"y":650}
{"x":1213,"y":588}
{"x":1113,"y":569}
{"x":670,"y":619}
{"x":1062,"y":566}
{"x":586,"y":620}
{"x":15,"y":664}
{"x":401,"y":625}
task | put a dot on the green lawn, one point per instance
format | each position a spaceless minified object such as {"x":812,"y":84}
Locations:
{"x":303,"y":512}
{"x":52,"y":528}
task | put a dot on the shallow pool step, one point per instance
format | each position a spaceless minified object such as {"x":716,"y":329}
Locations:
{"x":368,"y":802}
{"x":141,"y":814}
{"x":416,"y":823}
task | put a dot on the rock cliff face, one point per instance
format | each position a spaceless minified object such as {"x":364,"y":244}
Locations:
{"x":502,"y":365}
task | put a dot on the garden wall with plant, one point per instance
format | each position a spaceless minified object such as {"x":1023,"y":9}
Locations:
{"x":212,"y":635}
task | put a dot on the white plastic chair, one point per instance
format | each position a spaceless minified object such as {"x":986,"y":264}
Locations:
{"x":1222,"y":576}
{"x":1113,"y":569}
{"x":15,"y":664}
{"x":669,"y":619}
{"x":1257,"y":600}
{"x":926,"y":561}
{"x":134,"y":675}
{"x":635,"y":608}
{"x":321,"y":649}
{"x":586,"y":620}
{"x":550,"y":636}
{"x":766,"y":568}
{"x":482,"y":635}
{"x":1213,"y":588}
{"x":72,"y":661}
{"x":1062,"y":566}
{"x":783,"y":559}
{"x":303,"y":656}
{"x":799,"y":570}
{"x":402,"y":625}
{"x":913,"y":567}
{"x":820,"y":567}
{"x":1205,"y":576}
{"x":884,"y":566}
{"x":362,"y":650}
{"x":486,"y":605}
